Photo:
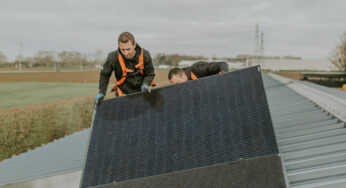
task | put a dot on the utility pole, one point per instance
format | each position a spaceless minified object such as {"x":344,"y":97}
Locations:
{"x":256,"y":42}
{"x":262,"y":47}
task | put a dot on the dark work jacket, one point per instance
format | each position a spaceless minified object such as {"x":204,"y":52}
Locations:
{"x":202,"y":69}
{"x":133,"y":80}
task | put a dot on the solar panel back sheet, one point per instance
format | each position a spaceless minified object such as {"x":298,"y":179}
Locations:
{"x":203,"y":122}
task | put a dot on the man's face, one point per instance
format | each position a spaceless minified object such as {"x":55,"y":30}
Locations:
{"x":178,"y":78}
{"x":128,"y":49}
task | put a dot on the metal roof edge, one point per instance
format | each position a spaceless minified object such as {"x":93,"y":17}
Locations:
{"x":330,"y":103}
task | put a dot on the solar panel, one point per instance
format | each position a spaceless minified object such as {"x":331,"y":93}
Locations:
{"x":263,"y":171}
{"x":208,"y":121}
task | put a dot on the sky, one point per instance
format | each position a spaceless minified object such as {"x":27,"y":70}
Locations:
{"x":225,"y":28}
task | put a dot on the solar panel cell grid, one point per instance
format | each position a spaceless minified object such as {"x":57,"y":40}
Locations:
{"x":203,"y":122}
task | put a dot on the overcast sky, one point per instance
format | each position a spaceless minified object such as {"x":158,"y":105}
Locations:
{"x":305,"y":28}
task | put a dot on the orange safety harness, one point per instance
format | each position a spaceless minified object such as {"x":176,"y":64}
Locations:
{"x":125,"y":70}
{"x":193,"y":76}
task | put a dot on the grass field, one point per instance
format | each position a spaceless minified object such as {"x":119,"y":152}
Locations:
{"x":29,"y":93}
{"x":65,"y":77}
{"x":21,"y":89}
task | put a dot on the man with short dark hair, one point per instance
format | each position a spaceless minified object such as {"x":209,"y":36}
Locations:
{"x":197,"y":70}
{"x":132,"y":66}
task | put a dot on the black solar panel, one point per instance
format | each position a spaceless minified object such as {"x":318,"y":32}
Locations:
{"x":207,"y":121}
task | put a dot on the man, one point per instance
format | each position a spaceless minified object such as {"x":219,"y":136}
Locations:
{"x":197,"y":70}
{"x":132,"y":66}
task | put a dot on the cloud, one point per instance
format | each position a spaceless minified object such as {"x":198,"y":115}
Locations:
{"x":307,"y":28}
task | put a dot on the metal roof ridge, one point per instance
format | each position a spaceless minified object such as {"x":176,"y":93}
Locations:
{"x":330,"y":103}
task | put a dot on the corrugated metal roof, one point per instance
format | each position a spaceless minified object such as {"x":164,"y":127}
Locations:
{"x":312,"y":144}
{"x":58,"y":157}
{"x":327,"y":100}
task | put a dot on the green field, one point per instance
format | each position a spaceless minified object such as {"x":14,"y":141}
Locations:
{"x":28,"y":93}
{"x":28,"y":127}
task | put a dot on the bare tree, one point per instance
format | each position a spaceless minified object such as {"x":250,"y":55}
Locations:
{"x":63,"y":57}
{"x":72,"y":58}
{"x":338,"y":55}
{"x":44,"y":57}
{"x":30,"y":61}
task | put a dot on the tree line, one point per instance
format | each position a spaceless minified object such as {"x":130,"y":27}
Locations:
{"x":45,"y":58}
{"x":48,"y":58}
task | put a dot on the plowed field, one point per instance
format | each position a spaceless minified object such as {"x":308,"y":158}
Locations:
{"x":69,"y":77}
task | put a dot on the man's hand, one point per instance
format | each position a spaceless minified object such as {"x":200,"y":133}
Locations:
{"x":99,"y":98}
{"x":145,"y":87}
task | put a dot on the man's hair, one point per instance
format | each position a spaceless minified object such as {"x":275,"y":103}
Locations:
{"x":125,"y":37}
{"x":175,"y":71}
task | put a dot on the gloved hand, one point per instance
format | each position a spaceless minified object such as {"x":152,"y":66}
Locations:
{"x":145,"y":87}
{"x":99,"y":98}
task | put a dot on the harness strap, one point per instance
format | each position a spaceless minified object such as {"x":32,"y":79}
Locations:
{"x":125,"y":70}
{"x":193,"y":76}
{"x":140,"y":64}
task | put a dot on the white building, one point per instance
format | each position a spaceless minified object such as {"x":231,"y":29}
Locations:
{"x":294,"y":64}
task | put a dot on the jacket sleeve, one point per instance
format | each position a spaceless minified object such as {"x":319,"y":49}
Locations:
{"x":207,"y":69}
{"x":148,"y":70}
{"x":217,"y":67}
{"x":105,"y":74}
